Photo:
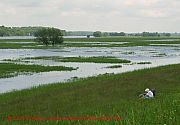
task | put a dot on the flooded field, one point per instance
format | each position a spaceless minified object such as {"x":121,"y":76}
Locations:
{"x":140,"y":56}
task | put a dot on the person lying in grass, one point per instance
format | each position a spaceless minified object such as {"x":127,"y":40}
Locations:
{"x":147,"y":95}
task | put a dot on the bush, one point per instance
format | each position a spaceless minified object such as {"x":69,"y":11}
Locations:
{"x":49,"y":36}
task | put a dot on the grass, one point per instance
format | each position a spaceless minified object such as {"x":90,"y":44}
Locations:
{"x":128,"y":53}
{"x":115,"y":66}
{"x":144,"y":63}
{"x":118,"y":39}
{"x":95,"y":59}
{"x":132,"y":41}
{"x":160,"y":55}
{"x":11,"y":69}
{"x":107,"y":95}
{"x":17,"y":46}
{"x":84,"y":59}
{"x":16,"y":40}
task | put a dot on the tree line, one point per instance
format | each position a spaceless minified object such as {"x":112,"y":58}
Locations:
{"x":104,"y":34}
{"x":18,"y":31}
{"x":31,"y":31}
{"x":153,"y":34}
{"x":143,"y":34}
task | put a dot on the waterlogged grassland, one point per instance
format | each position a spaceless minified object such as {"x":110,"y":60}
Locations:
{"x":119,"y":39}
{"x":5,"y":45}
{"x":115,"y":66}
{"x":16,"y":40}
{"x":144,"y":63}
{"x":102,"y":96}
{"x":11,"y":69}
{"x":132,"y":41}
{"x":95,"y":59}
{"x":16,"y":46}
{"x":84,"y":59}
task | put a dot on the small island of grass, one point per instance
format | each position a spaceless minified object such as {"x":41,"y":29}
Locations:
{"x":101,"y":59}
{"x":11,"y":69}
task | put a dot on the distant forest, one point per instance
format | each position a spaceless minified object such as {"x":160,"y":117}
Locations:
{"x":31,"y":31}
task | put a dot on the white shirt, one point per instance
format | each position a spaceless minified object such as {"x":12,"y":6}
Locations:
{"x":150,"y":94}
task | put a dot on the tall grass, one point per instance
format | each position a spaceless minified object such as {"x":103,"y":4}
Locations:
{"x":107,"y":95}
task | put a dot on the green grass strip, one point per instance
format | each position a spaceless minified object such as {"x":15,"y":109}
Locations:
{"x":11,"y":69}
{"x":94,"y":59}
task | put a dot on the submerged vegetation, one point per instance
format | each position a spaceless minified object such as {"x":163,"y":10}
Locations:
{"x":11,"y":69}
{"x":102,"y":96}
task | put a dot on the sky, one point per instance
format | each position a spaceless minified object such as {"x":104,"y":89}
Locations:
{"x":94,"y":15}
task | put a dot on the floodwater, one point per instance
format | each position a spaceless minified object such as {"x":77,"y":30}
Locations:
{"x":157,"y":55}
{"x":178,"y":45}
{"x":163,"y":40}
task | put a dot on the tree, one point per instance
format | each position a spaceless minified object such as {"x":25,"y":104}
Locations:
{"x":122,"y":34}
{"x":148,"y":34}
{"x":4,"y":31}
{"x":97,"y":34}
{"x":49,"y":36}
{"x":105,"y":34}
{"x":117,"y":34}
{"x":168,"y":34}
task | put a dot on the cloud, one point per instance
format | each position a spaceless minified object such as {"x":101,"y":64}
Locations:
{"x":153,"y":14}
{"x":142,"y":2}
{"x":107,"y":15}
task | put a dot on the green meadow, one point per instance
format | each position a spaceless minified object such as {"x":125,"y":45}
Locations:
{"x":102,"y":96}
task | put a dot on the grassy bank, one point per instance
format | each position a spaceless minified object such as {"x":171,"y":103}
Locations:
{"x":11,"y":69}
{"x":107,"y":95}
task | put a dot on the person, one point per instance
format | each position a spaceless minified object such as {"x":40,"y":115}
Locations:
{"x":153,"y":91}
{"x":147,"y":95}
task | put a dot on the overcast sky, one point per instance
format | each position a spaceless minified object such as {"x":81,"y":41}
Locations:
{"x":92,"y":15}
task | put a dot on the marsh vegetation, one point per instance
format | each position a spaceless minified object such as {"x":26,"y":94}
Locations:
{"x":105,"y":93}
{"x":11,"y":69}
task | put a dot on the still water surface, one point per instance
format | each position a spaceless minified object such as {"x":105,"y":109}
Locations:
{"x":157,"y":55}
